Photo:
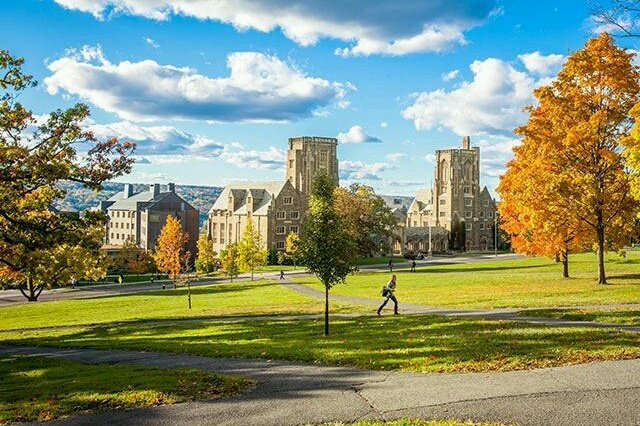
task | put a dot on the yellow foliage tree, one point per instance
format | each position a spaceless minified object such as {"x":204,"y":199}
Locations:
{"x":251,"y":254}
{"x":169,"y":253}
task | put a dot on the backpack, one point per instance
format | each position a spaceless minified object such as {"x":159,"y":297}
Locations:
{"x":385,"y":291}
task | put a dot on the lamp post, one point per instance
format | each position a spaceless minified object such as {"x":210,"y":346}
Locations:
{"x":430,"y":253}
{"x":495,"y":229}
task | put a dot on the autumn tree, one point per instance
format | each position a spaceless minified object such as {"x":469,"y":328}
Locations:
{"x":169,"y":253}
{"x":230,"y":261}
{"x":586,"y":114}
{"x":206,"y":259}
{"x":292,"y":247}
{"x":37,"y":241}
{"x":251,"y":254}
{"x":366,"y":217}
{"x":327,"y":248}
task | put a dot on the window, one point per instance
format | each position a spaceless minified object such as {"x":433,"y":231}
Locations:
{"x":279,"y":230}
{"x":489,"y":214}
{"x":117,"y":214}
{"x":443,"y":202}
{"x":481,"y":214}
{"x":280,"y":245}
{"x":468,"y":202}
{"x":128,"y":225}
{"x":293,"y":229}
{"x":288,"y":200}
{"x":485,"y":203}
{"x":291,"y":164}
{"x":323,"y":158}
{"x":294,"y":215}
{"x":117,"y":236}
{"x":467,"y":190}
{"x":415,"y":223}
{"x":481,"y":225}
{"x":214,"y":232}
{"x":469,"y":226}
{"x":112,"y":235}
{"x":281,"y":215}
{"x":443,"y":189}
{"x":443,"y":214}
{"x":467,"y":214}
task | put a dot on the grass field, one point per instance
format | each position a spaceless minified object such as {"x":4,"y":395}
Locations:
{"x":521,"y":282}
{"x":39,"y":389}
{"x":410,"y":343}
{"x":614,"y":316}
{"x":238,"y":299}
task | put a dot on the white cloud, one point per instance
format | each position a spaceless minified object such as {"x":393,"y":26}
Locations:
{"x":542,"y":65}
{"x":356,"y":134}
{"x":430,"y":158}
{"x":260,"y":88}
{"x":494,"y":155}
{"x":451,"y":75}
{"x":151,"y":42}
{"x":271,"y":159}
{"x":490,"y":104}
{"x":396,"y":156}
{"x":385,"y":27}
{"x":384,"y":124}
{"x":159,"y":140}
{"x":358,"y":170}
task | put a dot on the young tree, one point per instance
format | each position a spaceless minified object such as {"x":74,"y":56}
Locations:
{"x":365,"y":216}
{"x":230,"y":261}
{"x":206,"y":259}
{"x":169,"y":253}
{"x":326,"y":246}
{"x":292,"y":247}
{"x":34,"y":159}
{"x":251,"y":254}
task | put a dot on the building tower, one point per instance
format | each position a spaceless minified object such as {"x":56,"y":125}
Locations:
{"x":457,"y":189}
{"x":309,"y":155}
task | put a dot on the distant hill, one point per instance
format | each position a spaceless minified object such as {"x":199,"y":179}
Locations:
{"x":80,"y":198}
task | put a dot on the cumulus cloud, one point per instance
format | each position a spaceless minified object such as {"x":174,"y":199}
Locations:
{"x":259,"y":88}
{"x":494,"y":155}
{"x":396,"y":156}
{"x":451,"y":75}
{"x":384,"y":124}
{"x":271,"y":159}
{"x":542,"y":65}
{"x":356,"y":134}
{"x":159,"y":140}
{"x":358,"y":170}
{"x":490,"y":104}
{"x":385,"y":27}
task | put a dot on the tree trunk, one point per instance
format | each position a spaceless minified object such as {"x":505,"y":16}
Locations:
{"x":556,"y":258}
{"x":189,"y":293}
{"x":602,"y":279}
{"x":565,"y":264}
{"x":326,"y":310}
{"x":33,"y":291}
{"x":251,"y":274}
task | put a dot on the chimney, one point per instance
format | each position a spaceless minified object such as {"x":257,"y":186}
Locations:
{"x":172,"y":187}
{"x":466,"y":142}
{"x":128,"y":190}
{"x":155,"y":189}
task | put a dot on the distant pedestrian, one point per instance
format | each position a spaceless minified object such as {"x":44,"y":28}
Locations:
{"x":390,"y":265}
{"x":388,"y":293}
{"x":413,"y":266}
{"x":120,"y":279}
{"x":282,"y":274}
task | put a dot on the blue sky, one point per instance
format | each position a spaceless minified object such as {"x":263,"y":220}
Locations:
{"x":211,"y":90}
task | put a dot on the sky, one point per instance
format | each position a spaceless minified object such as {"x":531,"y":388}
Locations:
{"x":210,"y":90}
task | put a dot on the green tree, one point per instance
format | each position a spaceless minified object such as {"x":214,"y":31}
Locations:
{"x":169,"y":253}
{"x":251,"y":254}
{"x":206,"y":260}
{"x":35,"y":239}
{"x":292,"y":247}
{"x":326,"y":247}
{"x":230,"y":261}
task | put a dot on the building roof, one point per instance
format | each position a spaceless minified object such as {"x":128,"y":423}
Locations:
{"x":397,"y":202}
{"x":262,"y":194}
{"x":144,"y":199}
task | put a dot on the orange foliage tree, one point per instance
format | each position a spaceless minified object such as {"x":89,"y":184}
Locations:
{"x":169,"y":253}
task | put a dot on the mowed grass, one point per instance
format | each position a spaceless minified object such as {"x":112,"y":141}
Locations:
{"x":520,"y":282}
{"x":411,"y":343}
{"x":40,"y":389}
{"x":613,"y":316}
{"x":237,"y":299}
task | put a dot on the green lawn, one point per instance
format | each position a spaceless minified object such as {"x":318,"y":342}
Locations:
{"x":380,"y":260}
{"x":40,"y":389}
{"x":614,"y":316}
{"x":241,"y":298}
{"x":411,"y":343}
{"x":522,"y":282}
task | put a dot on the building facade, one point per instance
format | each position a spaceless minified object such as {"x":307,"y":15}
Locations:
{"x":140,"y":217}
{"x":307,"y":157}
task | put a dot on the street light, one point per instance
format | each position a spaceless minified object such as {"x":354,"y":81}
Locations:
{"x":495,"y":229}
{"x":430,"y":253}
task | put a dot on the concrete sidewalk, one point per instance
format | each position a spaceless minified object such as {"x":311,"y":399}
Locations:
{"x":294,"y":393}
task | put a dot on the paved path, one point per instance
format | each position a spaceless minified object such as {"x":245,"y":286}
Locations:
{"x":291,"y":393}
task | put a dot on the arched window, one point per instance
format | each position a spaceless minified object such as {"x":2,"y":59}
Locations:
{"x":444,"y":170}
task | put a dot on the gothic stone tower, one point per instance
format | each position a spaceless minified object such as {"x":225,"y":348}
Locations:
{"x":307,"y":156}
{"x":457,"y":190}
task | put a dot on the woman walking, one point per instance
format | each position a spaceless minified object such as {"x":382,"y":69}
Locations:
{"x":388,"y":293}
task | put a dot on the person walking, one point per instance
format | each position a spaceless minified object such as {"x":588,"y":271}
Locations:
{"x":282,"y":274}
{"x":391,"y":265}
{"x":388,"y":293}
{"x":413,"y":266}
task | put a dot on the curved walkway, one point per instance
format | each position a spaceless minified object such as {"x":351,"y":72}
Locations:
{"x":293,"y":393}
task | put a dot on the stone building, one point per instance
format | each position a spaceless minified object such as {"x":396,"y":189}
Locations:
{"x":456,"y":200}
{"x":140,"y":217}
{"x":275,"y":208}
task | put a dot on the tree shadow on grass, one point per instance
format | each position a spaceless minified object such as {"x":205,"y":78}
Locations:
{"x":437,"y":270}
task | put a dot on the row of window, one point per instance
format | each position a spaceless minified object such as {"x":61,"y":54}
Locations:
{"x":281,"y":214}
{"x":117,"y":213}
{"x":117,"y":236}
{"x":122,"y":225}
{"x":281,"y":230}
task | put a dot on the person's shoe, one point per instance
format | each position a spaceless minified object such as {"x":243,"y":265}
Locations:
{"x":396,"y":313}
{"x":378,"y":313}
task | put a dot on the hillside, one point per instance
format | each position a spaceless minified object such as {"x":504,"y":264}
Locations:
{"x":79,"y":198}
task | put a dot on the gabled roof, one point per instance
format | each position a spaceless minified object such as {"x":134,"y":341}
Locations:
{"x":262,"y":193}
